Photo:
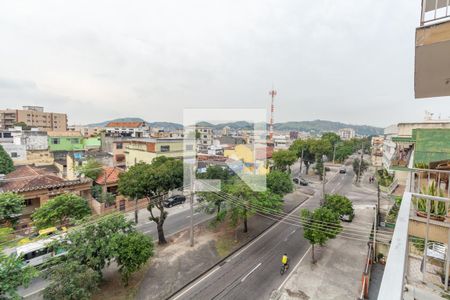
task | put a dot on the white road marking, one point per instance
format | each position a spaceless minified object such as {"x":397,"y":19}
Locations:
{"x":296,"y":266}
{"x":212,"y":272}
{"x":253,"y":270}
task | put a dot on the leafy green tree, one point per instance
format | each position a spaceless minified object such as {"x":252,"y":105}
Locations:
{"x":279,"y":182}
{"x":71,"y":280}
{"x":245,"y":202}
{"x":332,"y":137}
{"x":11,"y":205}
{"x":93,"y":245}
{"x":153,"y":181}
{"x":91,"y":169}
{"x":61,"y":210}
{"x":299,"y":146}
{"x":23,"y":125}
{"x":319,"y":167}
{"x":6,"y":163}
{"x":356,"y":168}
{"x":319,"y":226}
{"x":132,"y":251}
{"x":283,"y":159}
{"x":339,"y":204}
{"x":12,"y":275}
{"x":214,"y":202}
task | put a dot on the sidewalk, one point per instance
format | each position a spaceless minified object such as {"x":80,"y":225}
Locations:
{"x":337,"y":273}
{"x":177,"y":264}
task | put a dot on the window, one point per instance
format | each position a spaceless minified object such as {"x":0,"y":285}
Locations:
{"x":119,"y":146}
{"x":28,"y":202}
{"x":14,"y":155}
{"x":55,"y":141}
{"x":74,"y":141}
{"x":7,"y":134}
{"x":165,"y":148}
{"x":205,"y":136}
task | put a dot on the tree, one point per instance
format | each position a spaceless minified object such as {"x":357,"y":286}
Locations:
{"x":283,"y":159}
{"x":11,"y":206}
{"x":23,"y":125}
{"x":71,"y":280}
{"x":319,"y":226}
{"x":245,"y":202}
{"x":133,"y":251}
{"x":319,"y":167}
{"x":153,"y":182}
{"x":332,"y":137}
{"x":91,"y":169}
{"x":279,"y":183}
{"x":341,"y":205}
{"x":6,"y":163}
{"x":12,"y":275}
{"x":304,"y":146}
{"x":214,"y":201}
{"x":61,"y":210}
{"x":356,"y":168}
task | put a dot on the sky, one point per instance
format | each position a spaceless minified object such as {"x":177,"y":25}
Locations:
{"x":350,"y":60}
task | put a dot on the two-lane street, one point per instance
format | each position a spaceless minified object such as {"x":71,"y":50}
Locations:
{"x":253,"y":272}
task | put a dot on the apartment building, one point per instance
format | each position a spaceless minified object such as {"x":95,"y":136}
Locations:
{"x":33,"y":116}
{"x":377,"y":151}
{"x":418,"y":259}
{"x":86,"y":131}
{"x":346,"y":133}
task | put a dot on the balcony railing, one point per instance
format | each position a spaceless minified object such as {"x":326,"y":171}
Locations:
{"x":434,"y":11}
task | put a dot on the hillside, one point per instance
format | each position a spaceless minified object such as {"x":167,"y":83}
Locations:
{"x":316,"y":126}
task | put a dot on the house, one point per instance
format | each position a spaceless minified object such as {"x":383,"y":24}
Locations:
{"x":65,"y":141}
{"x":127,"y":129}
{"x":39,"y":184}
{"x":145,"y":150}
{"x":86,"y":131}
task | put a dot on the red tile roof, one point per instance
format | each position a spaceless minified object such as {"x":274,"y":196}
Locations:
{"x":125,"y":124}
{"x":28,"y":178}
{"x":110,"y":174}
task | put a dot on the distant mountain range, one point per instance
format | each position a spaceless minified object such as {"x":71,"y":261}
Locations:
{"x":314,"y":127}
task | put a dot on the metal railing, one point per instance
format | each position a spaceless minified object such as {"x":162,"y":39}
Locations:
{"x":434,"y":11}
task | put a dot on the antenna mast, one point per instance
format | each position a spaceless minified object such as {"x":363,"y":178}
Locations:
{"x":272,"y":93}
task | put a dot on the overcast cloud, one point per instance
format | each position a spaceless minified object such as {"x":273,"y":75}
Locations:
{"x":346,"y":60}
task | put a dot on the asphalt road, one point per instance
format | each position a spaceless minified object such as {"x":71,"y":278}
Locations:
{"x":253,"y":272}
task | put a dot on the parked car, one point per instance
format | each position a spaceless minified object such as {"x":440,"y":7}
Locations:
{"x":342,"y":170}
{"x":346,"y":218}
{"x":299,"y":180}
{"x":174,"y":200}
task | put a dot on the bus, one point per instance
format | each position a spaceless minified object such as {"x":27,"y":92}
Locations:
{"x":38,"y":252}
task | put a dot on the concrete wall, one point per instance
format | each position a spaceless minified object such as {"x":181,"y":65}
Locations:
{"x":39,"y":157}
{"x":34,"y":140}
{"x":18,"y":153}
{"x":405,"y":129}
{"x":438,"y":233}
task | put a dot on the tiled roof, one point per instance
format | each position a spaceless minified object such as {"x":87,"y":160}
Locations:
{"x":64,"y":133}
{"x":111,"y":174}
{"x":125,"y":124}
{"x":27,"y":178}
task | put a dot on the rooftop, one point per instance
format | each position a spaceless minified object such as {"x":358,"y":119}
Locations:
{"x":64,"y":134}
{"x":108,"y":175}
{"x":126,"y":124}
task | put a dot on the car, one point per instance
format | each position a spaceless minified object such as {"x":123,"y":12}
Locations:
{"x":174,"y":200}
{"x":299,"y":180}
{"x":346,"y":218}
{"x":342,"y":170}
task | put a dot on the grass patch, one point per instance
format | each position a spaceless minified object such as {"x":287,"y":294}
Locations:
{"x":224,"y":246}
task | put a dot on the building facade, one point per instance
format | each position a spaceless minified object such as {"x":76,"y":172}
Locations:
{"x":33,"y":116}
{"x":145,"y":150}
{"x":346,"y":133}
{"x":127,"y":129}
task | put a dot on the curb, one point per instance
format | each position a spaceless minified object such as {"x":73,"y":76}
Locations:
{"x":221,"y":261}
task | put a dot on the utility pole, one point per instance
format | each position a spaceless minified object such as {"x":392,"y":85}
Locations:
{"x":272,"y":93}
{"x":378,"y":203}
{"x":358,"y":179}
{"x":375,"y":233}
{"x":301,"y":162}
{"x":191,"y":202}
{"x":324,"y":174}
{"x":334,"y":151}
